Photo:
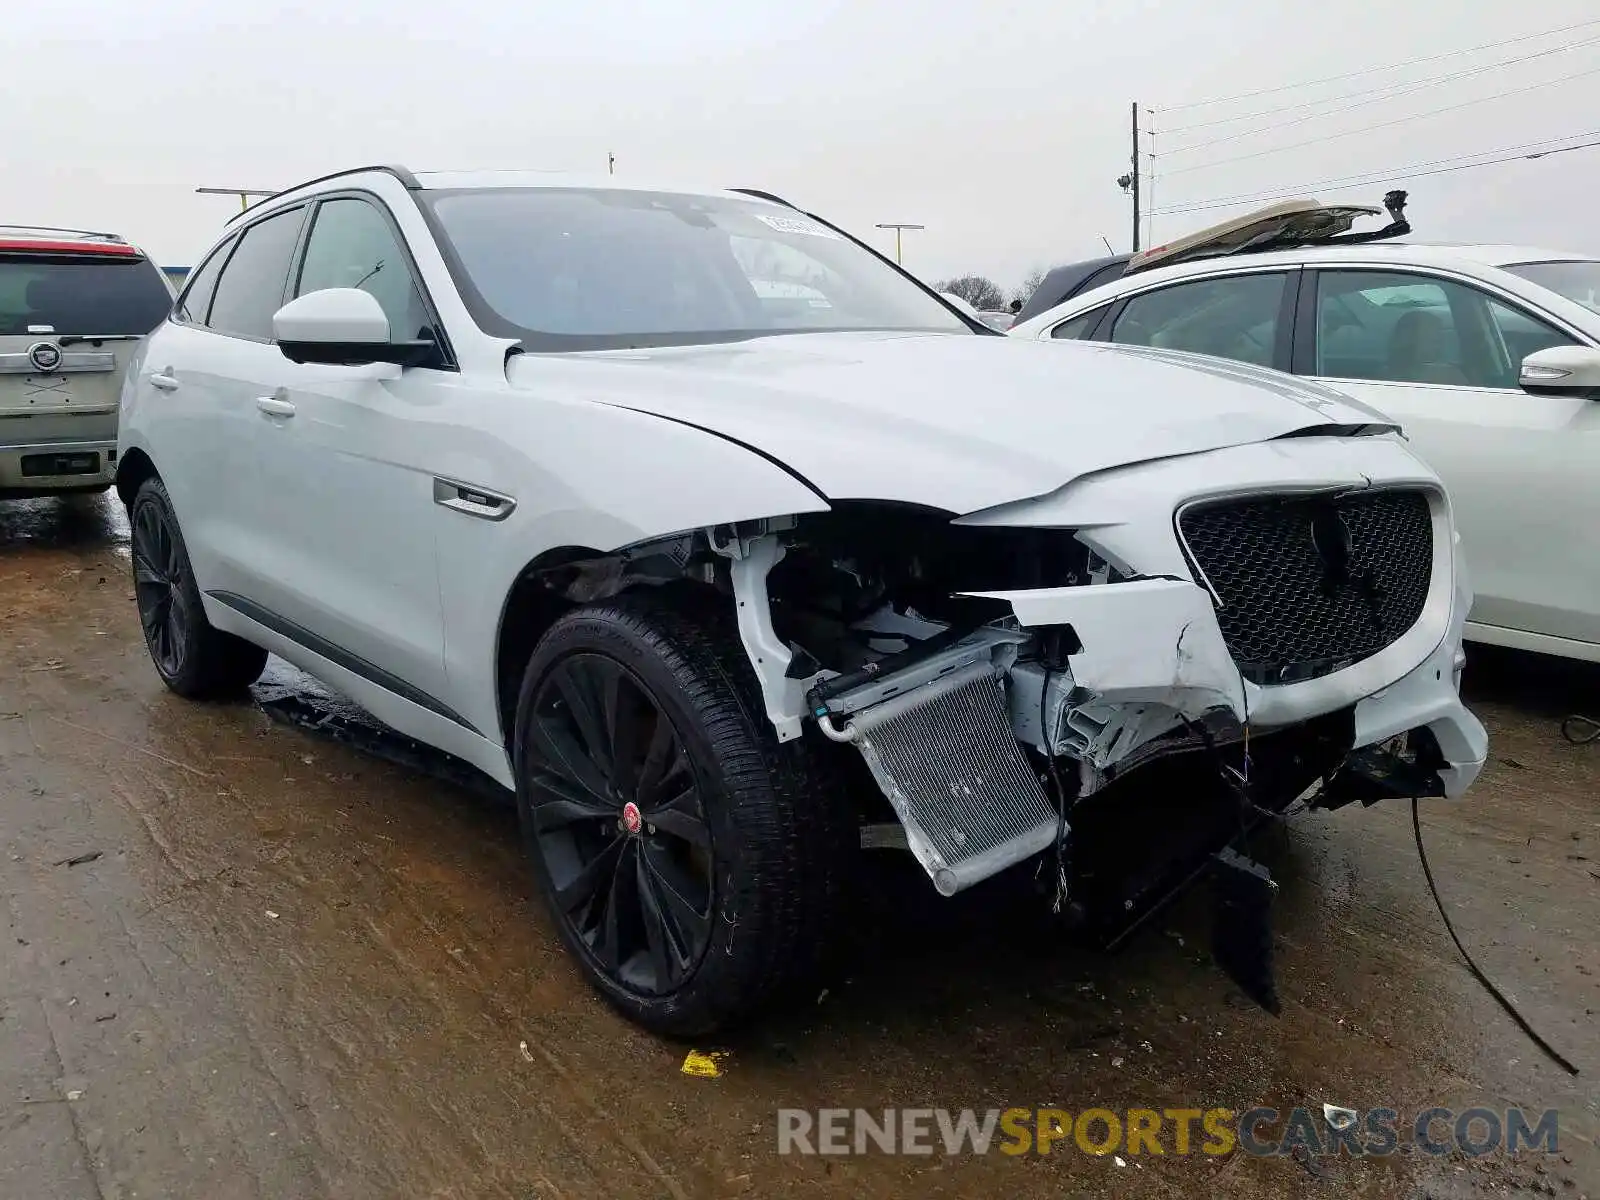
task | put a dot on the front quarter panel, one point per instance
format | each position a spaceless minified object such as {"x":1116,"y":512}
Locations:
{"x":584,"y":477}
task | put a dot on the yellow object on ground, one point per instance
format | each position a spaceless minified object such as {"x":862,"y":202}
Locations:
{"x":706,"y":1066}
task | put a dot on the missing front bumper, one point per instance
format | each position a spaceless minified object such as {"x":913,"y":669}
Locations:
{"x":943,"y":727}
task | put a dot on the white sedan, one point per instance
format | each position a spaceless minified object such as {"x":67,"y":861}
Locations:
{"x":1485,"y":355}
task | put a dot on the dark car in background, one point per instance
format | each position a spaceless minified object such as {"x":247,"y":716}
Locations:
{"x":1064,"y":282}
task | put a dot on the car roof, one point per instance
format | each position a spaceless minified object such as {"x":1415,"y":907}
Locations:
{"x":444,"y":180}
{"x":1501,"y":255}
{"x":1398,"y":253}
{"x":486,"y":180}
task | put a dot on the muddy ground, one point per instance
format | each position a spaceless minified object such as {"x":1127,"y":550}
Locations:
{"x":240,"y":960}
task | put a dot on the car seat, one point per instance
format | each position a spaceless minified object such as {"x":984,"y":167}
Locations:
{"x":1417,"y":351}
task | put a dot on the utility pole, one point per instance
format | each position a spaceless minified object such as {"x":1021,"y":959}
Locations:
{"x":1135,"y":188}
{"x":244,"y":194}
{"x":898,"y":227}
{"x":1130,"y":182}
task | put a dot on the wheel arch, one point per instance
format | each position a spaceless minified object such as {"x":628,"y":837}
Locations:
{"x":530,"y":607}
{"x":133,"y":468}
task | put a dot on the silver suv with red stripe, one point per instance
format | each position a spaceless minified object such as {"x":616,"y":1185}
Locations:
{"x":73,"y":307}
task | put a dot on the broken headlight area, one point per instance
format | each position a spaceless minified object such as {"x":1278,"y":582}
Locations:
{"x":869,"y":580}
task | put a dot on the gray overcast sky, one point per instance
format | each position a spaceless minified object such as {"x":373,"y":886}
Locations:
{"x":1000,"y":127}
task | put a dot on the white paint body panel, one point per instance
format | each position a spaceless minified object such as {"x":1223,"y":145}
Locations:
{"x":956,"y":422}
{"x":332,"y":315}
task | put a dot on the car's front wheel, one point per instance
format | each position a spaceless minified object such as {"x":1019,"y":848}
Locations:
{"x":192,"y":657}
{"x":693,"y":865}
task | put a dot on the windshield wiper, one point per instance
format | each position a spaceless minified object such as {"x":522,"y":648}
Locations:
{"x":72,"y":339}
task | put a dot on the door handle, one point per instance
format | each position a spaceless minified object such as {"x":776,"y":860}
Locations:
{"x":274,"y":407}
{"x":472,"y":500}
{"x":163,"y":380}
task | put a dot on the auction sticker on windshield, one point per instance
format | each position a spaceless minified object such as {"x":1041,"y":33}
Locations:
{"x":792,"y":225}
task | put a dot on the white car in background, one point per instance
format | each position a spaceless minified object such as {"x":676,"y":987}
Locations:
{"x":1488,"y":357}
{"x":727,"y":578}
{"x":997,"y":321}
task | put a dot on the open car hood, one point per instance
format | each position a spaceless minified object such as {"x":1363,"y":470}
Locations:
{"x":955,"y":422}
{"x":1286,"y":221}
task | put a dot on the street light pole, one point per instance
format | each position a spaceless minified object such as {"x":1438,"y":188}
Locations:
{"x":244,"y":194}
{"x":898,"y":227}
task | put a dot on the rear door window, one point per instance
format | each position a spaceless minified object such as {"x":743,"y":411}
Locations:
{"x":1080,"y":326}
{"x":253,"y":281}
{"x":81,"y":294}
{"x":1234,"y":317}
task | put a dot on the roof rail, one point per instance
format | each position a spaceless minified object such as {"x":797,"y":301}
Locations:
{"x":406,"y":178}
{"x":85,"y":233}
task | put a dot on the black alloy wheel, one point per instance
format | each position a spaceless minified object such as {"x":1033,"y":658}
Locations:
{"x":697,"y":868}
{"x":617,"y":813}
{"x":159,"y":574}
{"x":192,"y":656}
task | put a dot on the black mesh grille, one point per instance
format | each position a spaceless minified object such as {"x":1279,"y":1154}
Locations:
{"x":1296,"y":599}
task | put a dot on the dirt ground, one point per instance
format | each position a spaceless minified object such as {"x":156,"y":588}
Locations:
{"x":240,"y":960}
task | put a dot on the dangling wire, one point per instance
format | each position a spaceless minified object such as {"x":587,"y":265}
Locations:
{"x":1550,"y":1051}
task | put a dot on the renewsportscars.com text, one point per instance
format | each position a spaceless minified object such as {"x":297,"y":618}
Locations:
{"x":1258,"y":1132}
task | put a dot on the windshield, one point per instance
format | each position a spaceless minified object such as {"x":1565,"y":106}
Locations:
{"x":567,"y":269}
{"x":82,"y":295}
{"x":1576,"y":280}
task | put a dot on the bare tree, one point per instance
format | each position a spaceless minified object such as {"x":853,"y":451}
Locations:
{"x":982,"y":293}
{"x":1030,"y":284}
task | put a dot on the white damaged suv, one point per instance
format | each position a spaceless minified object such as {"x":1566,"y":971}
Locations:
{"x":727,"y":579}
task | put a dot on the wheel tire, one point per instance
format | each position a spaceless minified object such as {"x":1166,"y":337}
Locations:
{"x":782,"y":842}
{"x":192,"y":657}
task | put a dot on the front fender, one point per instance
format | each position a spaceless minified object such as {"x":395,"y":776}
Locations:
{"x":589,"y":478}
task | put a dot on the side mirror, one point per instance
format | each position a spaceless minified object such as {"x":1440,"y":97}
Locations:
{"x":342,"y":327}
{"x":1562,"y":371}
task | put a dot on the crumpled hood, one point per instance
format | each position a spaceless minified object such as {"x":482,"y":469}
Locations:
{"x":955,"y":422}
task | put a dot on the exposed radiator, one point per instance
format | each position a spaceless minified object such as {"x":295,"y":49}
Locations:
{"x":947,"y":759}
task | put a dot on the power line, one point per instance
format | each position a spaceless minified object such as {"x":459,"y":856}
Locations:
{"x":1365,"y":177}
{"x":1400,"y":175}
{"x":1386,"y":124}
{"x":1377,"y":96}
{"x":1410,"y":62}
